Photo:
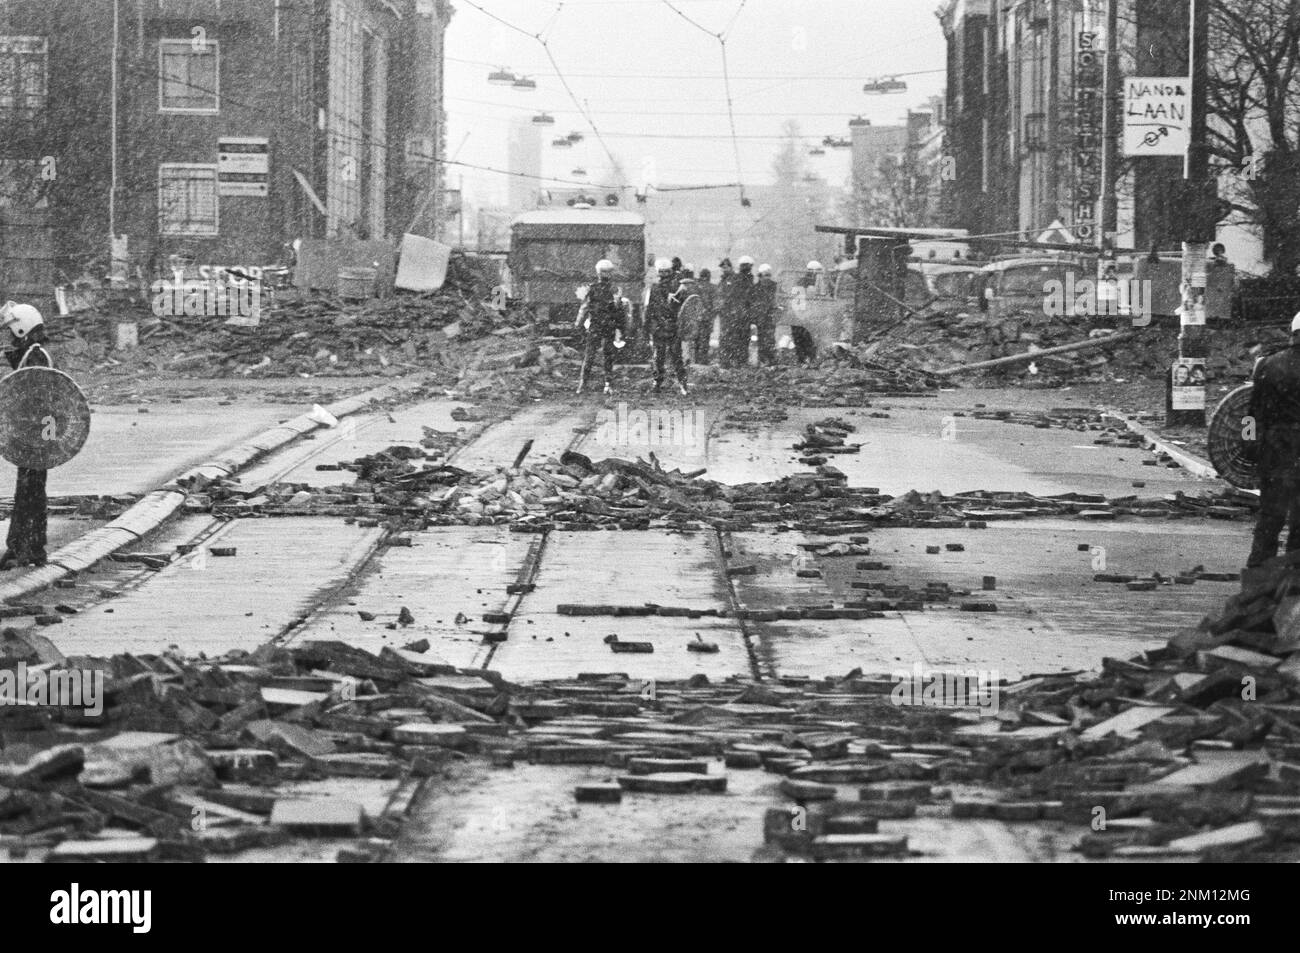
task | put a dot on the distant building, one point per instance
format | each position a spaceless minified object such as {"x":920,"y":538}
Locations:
{"x":871,"y":144}
{"x":1024,"y":121}
{"x":1025,"y":115}
{"x":966,"y":26}
{"x":703,"y":226}
{"x":927,"y":141}
{"x":524,"y":161}
{"x":242,"y":124}
{"x":915,"y":152}
{"x":494,"y":229}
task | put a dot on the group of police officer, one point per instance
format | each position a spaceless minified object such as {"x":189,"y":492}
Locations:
{"x":681,"y":308}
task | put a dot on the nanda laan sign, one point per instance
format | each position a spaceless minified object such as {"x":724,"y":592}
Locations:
{"x":1157,"y":115}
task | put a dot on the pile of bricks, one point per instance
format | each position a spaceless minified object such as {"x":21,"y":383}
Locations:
{"x":314,"y":334}
{"x":409,"y":487}
{"x":936,"y":341}
{"x":194,"y":757}
{"x":823,"y":438}
{"x":1189,"y":750}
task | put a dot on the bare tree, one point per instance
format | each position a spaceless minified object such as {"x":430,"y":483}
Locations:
{"x":799,"y":202}
{"x":1254,"y":125}
{"x":900,"y":196}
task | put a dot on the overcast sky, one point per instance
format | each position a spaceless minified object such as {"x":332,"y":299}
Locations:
{"x":648,"y":76}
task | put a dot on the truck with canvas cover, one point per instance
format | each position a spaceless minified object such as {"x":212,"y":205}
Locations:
{"x":553,"y":255}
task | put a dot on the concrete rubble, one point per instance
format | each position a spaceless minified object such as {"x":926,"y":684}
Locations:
{"x":315,"y":334}
{"x":933,"y":341}
{"x":1188,"y":750}
{"x":410,"y":488}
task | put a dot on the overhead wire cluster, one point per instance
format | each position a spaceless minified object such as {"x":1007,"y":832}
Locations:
{"x":721,"y":37}
{"x":729,"y":97}
{"x":379,"y":144}
{"x":540,"y":37}
{"x":579,"y":106}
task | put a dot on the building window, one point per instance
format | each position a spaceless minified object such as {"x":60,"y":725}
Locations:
{"x":189,"y":76}
{"x":187,"y":199}
{"x":1035,"y":134}
{"x":22,"y":73}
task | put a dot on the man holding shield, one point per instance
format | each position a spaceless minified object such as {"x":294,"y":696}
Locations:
{"x":1275,"y":413}
{"x":25,"y":544}
{"x":602,"y":315}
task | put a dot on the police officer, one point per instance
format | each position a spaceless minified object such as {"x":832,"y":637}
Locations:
{"x":729,"y":305}
{"x":704,"y":287}
{"x":688,"y":319}
{"x":736,"y":291}
{"x":812,"y":278}
{"x":765,"y":310}
{"x":602,"y":314}
{"x":1275,"y":410}
{"x":662,"y":306}
{"x":811,"y":284}
{"x":25,"y":545}
{"x":743,"y":318}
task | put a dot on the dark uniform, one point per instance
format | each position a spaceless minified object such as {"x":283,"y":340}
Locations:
{"x":603,"y":313}
{"x":662,"y":308}
{"x":1275,"y":408}
{"x":734,"y":294}
{"x":708,"y":299}
{"x":26,"y":542}
{"x":764,"y":319}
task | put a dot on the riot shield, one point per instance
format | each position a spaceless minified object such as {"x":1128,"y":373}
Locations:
{"x":1231,"y":452}
{"x":44,"y":418}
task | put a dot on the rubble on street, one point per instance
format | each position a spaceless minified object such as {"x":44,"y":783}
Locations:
{"x":406,"y":487}
{"x":934,"y":341}
{"x":314,"y":334}
{"x":1187,"y":750}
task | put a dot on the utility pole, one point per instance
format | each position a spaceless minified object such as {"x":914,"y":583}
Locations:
{"x":112,"y":149}
{"x":1186,"y":404}
{"x":1053,"y":106}
{"x":1110,"y":131}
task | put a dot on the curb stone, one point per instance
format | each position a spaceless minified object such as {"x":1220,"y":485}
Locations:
{"x":157,"y":507}
{"x":1190,"y":462}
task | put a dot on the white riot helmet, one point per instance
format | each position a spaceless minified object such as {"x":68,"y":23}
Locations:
{"x":764,"y":269}
{"x":815,"y":266}
{"x":20,"y":318}
{"x":744,"y":260}
{"x":604,"y":266}
{"x":1295,"y":323}
{"x":663,"y":264}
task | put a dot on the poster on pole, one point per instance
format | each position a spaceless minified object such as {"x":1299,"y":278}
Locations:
{"x":1188,"y":383}
{"x":1157,"y":115}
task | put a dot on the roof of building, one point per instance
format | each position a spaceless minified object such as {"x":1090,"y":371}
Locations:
{"x":578,"y":216}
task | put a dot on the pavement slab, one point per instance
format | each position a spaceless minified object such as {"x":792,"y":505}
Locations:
{"x":235,"y":602}
{"x":1051,"y":615}
{"x":133,"y":452}
{"x":671,"y":569}
{"x":921,"y":445}
{"x":447,"y":572}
